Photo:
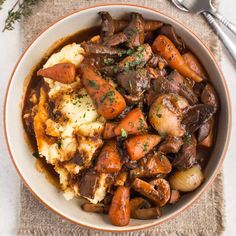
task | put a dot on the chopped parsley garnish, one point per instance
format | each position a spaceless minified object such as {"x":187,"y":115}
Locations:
{"x":124,"y":134}
{"x":109,"y":95}
{"x":145,"y":146}
{"x":92,"y":83}
{"x":141,"y":124}
{"x":140,"y":48}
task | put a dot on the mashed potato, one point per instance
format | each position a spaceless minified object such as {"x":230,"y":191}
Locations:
{"x":73,"y":131}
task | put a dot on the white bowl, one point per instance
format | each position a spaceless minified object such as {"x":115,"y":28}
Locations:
{"x":21,"y":154}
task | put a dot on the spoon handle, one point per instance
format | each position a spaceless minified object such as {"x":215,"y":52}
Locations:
{"x":224,"y":21}
{"x":229,"y":44}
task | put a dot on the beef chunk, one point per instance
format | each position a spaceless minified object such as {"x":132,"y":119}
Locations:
{"x":171,"y":145}
{"x":186,"y":158}
{"x":89,"y":184}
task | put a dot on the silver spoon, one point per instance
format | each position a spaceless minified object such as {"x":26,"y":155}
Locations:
{"x":199,"y":6}
{"x":229,"y":44}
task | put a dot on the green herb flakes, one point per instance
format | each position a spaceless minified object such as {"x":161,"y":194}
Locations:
{"x":124,"y":134}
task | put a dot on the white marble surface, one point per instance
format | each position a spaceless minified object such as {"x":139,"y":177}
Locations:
{"x":9,"y":181}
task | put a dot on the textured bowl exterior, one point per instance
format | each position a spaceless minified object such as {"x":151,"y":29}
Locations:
{"x":21,"y":154}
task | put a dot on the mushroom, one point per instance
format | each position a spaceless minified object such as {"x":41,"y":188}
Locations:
{"x":108,"y":27}
{"x":138,"y":203}
{"x":95,"y":48}
{"x":148,"y":213}
{"x":195,"y":116}
{"x":157,"y":190}
{"x":166,"y":113}
{"x":95,"y":208}
{"x":171,"y":145}
{"x":135,"y":30}
{"x":163,"y":188}
{"x":152,"y":166}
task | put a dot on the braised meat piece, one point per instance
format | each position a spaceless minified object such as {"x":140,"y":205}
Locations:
{"x":157,"y":61}
{"x":88,"y":185}
{"x":94,"y":48}
{"x":135,"y":30}
{"x":171,"y":145}
{"x":135,"y":82}
{"x":115,"y":39}
{"x":186,"y":158}
{"x":196,"y":116}
{"x":137,"y":59}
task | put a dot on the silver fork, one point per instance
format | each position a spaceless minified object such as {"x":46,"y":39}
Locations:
{"x":229,"y":44}
{"x":199,"y":6}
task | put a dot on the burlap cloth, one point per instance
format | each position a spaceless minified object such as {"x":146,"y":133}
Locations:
{"x":205,"y":217}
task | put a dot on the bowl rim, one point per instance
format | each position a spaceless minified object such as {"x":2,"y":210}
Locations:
{"x":215,"y":172}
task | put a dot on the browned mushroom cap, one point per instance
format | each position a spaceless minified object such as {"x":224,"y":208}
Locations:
{"x":152,"y":165}
{"x":108,"y":27}
{"x":163,"y":188}
{"x":158,"y":190}
{"x":174,"y":196}
{"x":95,"y":208}
{"x":138,"y":203}
{"x":171,"y":145}
{"x":148,"y":213}
{"x":196,"y":116}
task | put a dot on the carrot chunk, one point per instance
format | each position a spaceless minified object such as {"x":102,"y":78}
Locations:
{"x":164,"y":47}
{"x":133,"y":123}
{"x":63,"y":72}
{"x":138,"y":146}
